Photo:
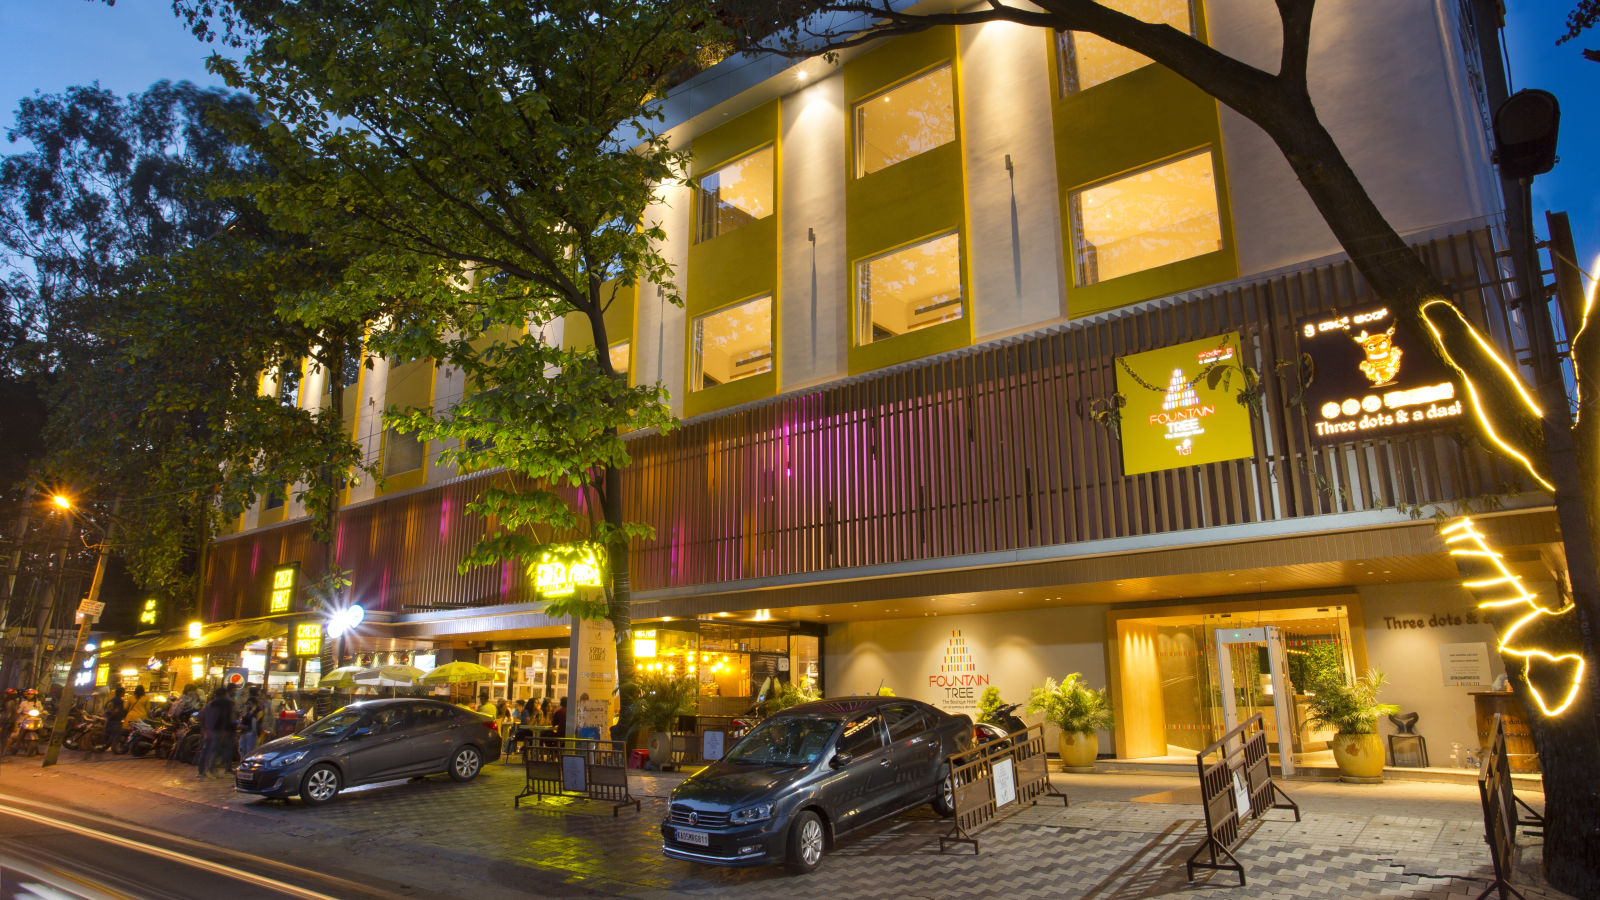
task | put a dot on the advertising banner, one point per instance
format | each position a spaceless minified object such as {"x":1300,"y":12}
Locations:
{"x":1173,"y":417}
{"x":591,"y":693}
{"x":1375,"y":376}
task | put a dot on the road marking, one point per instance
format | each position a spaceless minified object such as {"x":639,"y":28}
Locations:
{"x":186,"y":859}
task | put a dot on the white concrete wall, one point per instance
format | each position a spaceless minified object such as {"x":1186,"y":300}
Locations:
{"x":814,"y":330}
{"x":1016,"y":650}
{"x":1410,"y":657}
{"x":660,"y":339}
{"x":1014,"y":243}
{"x":1376,"y":79}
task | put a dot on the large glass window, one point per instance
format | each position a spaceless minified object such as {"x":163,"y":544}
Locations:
{"x":1088,"y":60}
{"x":402,"y":452}
{"x":732,"y":343}
{"x":1149,"y":218}
{"x":735,"y":194}
{"x":904,"y":121}
{"x":910,"y":288}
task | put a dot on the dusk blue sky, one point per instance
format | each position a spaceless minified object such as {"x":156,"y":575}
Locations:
{"x":47,"y":45}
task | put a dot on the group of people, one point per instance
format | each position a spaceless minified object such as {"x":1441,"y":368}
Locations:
{"x":519,"y":718}
{"x":229,"y":724}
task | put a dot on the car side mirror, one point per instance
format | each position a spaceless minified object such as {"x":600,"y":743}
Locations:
{"x":840,"y":760}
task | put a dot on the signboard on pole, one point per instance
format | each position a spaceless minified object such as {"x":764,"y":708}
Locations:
{"x":594,"y":678}
{"x":90,"y":609}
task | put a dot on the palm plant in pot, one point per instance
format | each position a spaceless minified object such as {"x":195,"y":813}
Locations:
{"x":1351,"y":709}
{"x":663,"y":699}
{"x":1079,"y":711}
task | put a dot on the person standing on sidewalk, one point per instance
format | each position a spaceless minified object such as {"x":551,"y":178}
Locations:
{"x":139,"y":707}
{"x":116,"y":708}
{"x":252,"y":712}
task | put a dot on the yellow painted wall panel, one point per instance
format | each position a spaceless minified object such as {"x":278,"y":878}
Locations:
{"x":576,"y":331}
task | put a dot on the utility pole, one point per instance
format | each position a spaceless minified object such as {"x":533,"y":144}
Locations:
{"x":88,"y":613}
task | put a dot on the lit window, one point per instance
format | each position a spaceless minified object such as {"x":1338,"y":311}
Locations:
{"x":1088,"y":60}
{"x":732,"y":343}
{"x":401,"y":452}
{"x":901,"y":123}
{"x":735,"y":195}
{"x":620,"y":357}
{"x":1150,"y":218}
{"x":911,"y":288}
{"x":276,"y":497}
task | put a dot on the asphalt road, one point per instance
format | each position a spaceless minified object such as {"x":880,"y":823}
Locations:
{"x":47,"y":851}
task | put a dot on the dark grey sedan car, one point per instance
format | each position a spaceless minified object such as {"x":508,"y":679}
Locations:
{"x":810,"y":773}
{"x":375,"y":740}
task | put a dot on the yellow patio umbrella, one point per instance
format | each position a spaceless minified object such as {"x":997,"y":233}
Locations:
{"x":342,"y":677}
{"x":388,"y":676}
{"x":458,"y":671}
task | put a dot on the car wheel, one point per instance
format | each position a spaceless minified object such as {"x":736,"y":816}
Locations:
{"x":466,"y":764}
{"x":944,"y":803}
{"x":806,"y":842}
{"x":320,"y":785}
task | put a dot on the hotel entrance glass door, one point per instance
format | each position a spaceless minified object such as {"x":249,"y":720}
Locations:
{"x":1171,"y":699}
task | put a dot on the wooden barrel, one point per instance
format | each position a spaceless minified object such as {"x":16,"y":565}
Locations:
{"x":1519,"y":740}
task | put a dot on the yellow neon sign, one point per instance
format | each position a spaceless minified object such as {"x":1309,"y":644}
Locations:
{"x":561,"y":575}
{"x":282,"y":590}
{"x":1472,"y":389}
{"x":1476,"y":548}
{"x":147,"y":615}
{"x":308,"y":639}
{"x":644,"y":644}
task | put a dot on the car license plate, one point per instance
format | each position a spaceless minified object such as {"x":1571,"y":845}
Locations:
{"x":698,"y":838}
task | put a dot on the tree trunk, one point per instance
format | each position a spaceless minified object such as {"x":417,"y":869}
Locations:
{"x":620,"y":608}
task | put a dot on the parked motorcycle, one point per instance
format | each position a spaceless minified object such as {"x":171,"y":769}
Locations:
{"x":84,"y":734}
{"x":1004,"y":722}
{"x":30,"y":734}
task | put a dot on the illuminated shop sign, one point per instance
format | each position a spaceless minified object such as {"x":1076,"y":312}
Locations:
{"x":644,"y":644}
{"x":282,"y":596}
{"x":151,"y":610}
{"x":1375,"y":376}
{"x":562,"y":570}
{"x":305,"y":640}
{"x":1173,"y":417}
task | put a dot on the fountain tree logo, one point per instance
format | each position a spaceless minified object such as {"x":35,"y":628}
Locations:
{"x":958,"y":681}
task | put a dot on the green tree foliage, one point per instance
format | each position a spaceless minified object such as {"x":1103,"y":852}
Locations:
{"x":509,"y":146}
{"x":1581,"y":19}
{"x":146,"y":295}
{"x":1072,"y":705}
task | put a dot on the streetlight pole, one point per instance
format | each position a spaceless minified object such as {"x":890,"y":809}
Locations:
{"x":88,"y":613}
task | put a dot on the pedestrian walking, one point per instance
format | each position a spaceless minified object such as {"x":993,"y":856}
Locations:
{"x":252,"y":719}
{"x":116,"y":709}
{"x":217,"y":726}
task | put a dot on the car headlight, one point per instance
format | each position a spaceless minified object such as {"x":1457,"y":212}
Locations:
{"x":758,"y":813}
{"x":289,"y":759}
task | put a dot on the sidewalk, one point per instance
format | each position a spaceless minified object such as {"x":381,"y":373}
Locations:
{"x":1124,"y":836}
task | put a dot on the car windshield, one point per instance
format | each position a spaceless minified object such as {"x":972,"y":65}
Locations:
{"x":333,"y":724}
{"x":784,"y":741}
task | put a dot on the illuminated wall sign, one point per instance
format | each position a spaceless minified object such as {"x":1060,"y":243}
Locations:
{"x":281,"y":598}
{"x":644,"y":644}
{"x":1472,"y":553}
{"x":102,"y":673}
{"x":147,"y":615}
{"x":1375,"y":376}
{"x":305,"y":640}
{"x":561,"y":573}
{"x":1172,"y":418}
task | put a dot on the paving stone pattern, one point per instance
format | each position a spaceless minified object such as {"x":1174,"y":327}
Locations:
{"x":1398,"y":841}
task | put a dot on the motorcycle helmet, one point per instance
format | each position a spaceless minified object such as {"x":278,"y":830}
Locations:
{"x":29,"y":694}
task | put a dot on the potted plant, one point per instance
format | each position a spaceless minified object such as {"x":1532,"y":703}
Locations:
{"x":1079,"y":711}
{"x":788,"y":694}
{"x":989,"y":703}
{"x":1351,"y":709}
{"x":662,"y":700}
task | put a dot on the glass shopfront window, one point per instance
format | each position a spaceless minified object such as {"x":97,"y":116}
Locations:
{"x":1087,"y":59}
{"x":734,"y":664}
{"x":1159,"y":215}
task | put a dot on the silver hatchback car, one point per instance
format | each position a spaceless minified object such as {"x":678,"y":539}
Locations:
{"x":375,"y":740}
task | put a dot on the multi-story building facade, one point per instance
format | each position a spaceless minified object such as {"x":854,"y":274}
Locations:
{"x":916,"y":280}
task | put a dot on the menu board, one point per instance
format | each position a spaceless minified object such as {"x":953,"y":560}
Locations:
{"x":1174,"y":417}
{"x":1375,"y":375}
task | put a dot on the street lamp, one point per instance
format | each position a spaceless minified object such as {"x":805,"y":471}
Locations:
{"x":88,"y":613}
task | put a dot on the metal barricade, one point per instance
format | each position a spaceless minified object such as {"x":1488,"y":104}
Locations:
{"x":705,"y":744}
{"x":1236,"y":783}
{"x":993,"y":780}
{"x":1500,"y":816}
{"x":577,"y":767}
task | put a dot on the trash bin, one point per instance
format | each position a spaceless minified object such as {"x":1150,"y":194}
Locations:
{"x":638,"y":758}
